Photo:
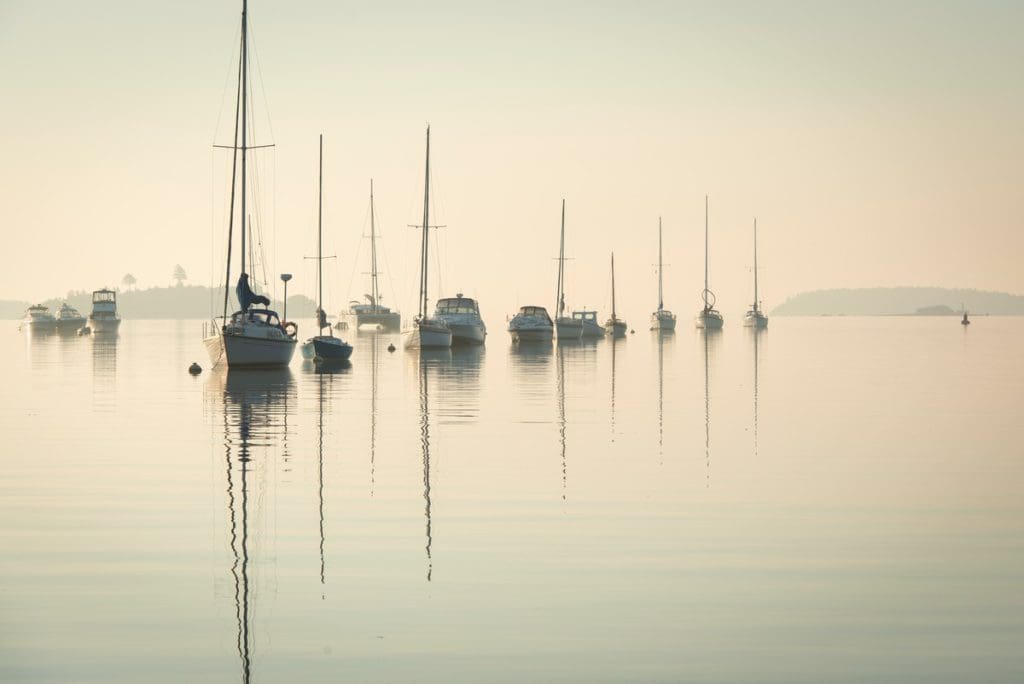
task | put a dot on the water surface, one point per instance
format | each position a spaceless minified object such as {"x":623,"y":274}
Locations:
{"x":829,"y":500}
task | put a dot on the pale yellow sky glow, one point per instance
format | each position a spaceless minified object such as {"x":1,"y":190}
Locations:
{"x":877,"y":144}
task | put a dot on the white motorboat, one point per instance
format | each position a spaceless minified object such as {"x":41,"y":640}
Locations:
{"x":531,"y":324}
{"x":615,"y":326}
{"x":371,"y":316}
{"x":462,"y":314}
{"x":755,"y":318}
{"x":592,"y":330}
{"x":426,"y":332}
{"x":320,"y":347}
{"x":38,"y":319}
{"x":708,"y":318}
{"x":69,"y":320}
{"x":567,"y":328}
{"x":104,"y":317}
{"x":662,"y":319}
{"x":250,"y":336}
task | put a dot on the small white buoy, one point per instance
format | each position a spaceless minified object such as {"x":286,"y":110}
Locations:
{"x":391,"y":347}
{"x":195,"y":369}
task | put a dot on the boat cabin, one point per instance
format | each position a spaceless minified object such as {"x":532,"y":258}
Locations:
{"x":535,"y":312}
{"x":585,"y":316}
{"x":104,"y":301}
{"x":457,"y":305}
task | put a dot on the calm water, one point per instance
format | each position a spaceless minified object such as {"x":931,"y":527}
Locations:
{"x":832,"y":500}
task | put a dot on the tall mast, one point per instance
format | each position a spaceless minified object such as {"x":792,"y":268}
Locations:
{"x":373,"y":250}
{"x":244,"y":119}
{"x":426,"y":229}
{"x":560,"y":302}
{"x":320,"y":236}
{"x":613,"y":286}
{"x":705,"y":251}
{"x":234,"y":176}
{"x":755,"y":264}
{"x":661,"y":303}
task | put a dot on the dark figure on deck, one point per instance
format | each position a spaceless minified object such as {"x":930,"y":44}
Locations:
{"x":246,"y":297}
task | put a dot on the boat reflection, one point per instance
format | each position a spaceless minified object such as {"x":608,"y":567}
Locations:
{"x":104,"y":369}
{"x":756,"y":332}
{"x":710,"y":338}
{"x":423,"y":375}
{"x":530,"y":362}
{"x":254,"y":407}
{"x":661,"y":339}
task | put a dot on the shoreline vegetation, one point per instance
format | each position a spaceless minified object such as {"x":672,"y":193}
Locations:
{"x":901,"y":301}
{"x":173,"y":302}
{"x":194,"y":302}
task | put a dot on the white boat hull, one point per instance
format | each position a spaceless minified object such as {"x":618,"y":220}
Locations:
{"x":752,"y":320}
{"x":568,"y":329}
{"x":102,"y":325}
{"x":531,"y":334}
{"x":662,"y":322}
{"x":427,"y":335}
{"x":253,"y":352}
{"x":616,"y":328}
{"x":463,"y":333}
{"x":708,"y":320}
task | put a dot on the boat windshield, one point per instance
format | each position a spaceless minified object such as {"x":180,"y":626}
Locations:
{"x":103,"y":296}
{"x":585,"y":315}
{"x":265,"y":316}
{"x":457,"y":306}
{"x":534,"y":311}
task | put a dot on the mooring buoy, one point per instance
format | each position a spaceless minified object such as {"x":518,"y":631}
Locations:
{"x":195,"y":369}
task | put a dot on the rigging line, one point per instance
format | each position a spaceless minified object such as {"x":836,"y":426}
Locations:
{"x":227,"y":79}
{"x":263,"y":89}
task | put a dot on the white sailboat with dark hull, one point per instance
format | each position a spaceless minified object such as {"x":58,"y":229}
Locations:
{"x":615,"y":326}
{"x":755,"y":318}
{"x":662,"y":320}
{"x":567,"y":328}
{"x":251,"y":336}
{"x":426,"y":332}
{"x":708,"y":318}
{"x":373,"y":315}
{"x":320,"y":347}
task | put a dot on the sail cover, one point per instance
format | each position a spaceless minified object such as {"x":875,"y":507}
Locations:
{"x":321,"y":318}
{"x":246,"y":297}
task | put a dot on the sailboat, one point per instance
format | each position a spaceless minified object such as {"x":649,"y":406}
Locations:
{"x":615,"y":326}
{"x":755,"y":318}
{"x":374,"y":315}
{"x":662,"y":320}
{"x":426,"y":332}
{"x":709,"y":318}
{"x":322,"y":347}
{"x":566,"y":327}
{"x":251,"y":336}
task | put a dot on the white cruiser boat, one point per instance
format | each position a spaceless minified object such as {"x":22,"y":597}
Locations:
{"x":567,"y":328}
{"x":373,"y":315}
{"x":708,"y":318}
{"x":531,"y":324}
{"x":38,"y":319}
{"x":662,"y":320}
{"x":592,"y":330}
{"x":755,"y":318}
{"x":69,"y":320}
{"x":323,"y":348}
{"x":462,"y":315}
{"x":250,"y":336}
{"x":426,"y":332}
{"x":104,"y":318}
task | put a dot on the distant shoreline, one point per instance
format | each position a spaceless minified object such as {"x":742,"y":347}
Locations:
{"x":901,"y":301}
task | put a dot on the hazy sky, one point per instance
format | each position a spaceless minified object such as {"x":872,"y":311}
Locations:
{"x":877,"y":143}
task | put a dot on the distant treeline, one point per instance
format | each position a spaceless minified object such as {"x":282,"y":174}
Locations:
{"x":892,"y":301}
{"x":186,"y":301}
